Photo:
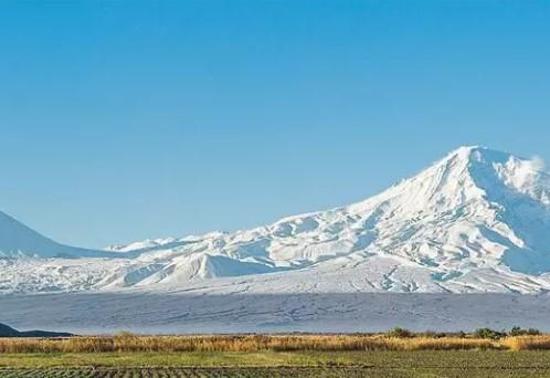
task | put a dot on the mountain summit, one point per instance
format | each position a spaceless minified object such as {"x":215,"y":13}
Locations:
{"x":478,"y":220}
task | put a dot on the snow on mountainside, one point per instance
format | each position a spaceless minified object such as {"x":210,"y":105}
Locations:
{"x":17,"y":239}
{"x":477,"y":220}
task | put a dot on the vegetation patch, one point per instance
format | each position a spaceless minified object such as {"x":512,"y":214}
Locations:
{"x":397,"y":339}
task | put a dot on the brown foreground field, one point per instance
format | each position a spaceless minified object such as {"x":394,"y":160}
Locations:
{"x":427,"y":363}
{"x":396,"y":354}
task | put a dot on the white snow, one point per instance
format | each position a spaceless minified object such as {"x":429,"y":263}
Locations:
{"x":476,"y":221}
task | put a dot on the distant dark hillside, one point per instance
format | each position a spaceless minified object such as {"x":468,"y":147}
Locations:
{"x":6,"y":331}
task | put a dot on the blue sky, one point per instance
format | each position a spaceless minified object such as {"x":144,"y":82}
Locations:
{"x":126,"y":120}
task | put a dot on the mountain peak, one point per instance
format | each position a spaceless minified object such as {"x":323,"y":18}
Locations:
{"x":465,"y":151}
{"x":488,"y":170}
{"x":478,"y":153}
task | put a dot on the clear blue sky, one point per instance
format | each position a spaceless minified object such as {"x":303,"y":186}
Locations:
{"x":126,"y":120}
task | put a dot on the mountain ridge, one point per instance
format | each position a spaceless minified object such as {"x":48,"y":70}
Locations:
{"x":7,"y":331}
{"x":476,"y":220}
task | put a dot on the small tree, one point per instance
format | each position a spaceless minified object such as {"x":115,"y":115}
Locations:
{"x":533,"y":332}
{"x":488,"y":333}
{"x":518,"y":331}
{"x":400,"y":332}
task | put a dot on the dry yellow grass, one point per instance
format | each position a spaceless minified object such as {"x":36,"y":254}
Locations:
{"x":541,"y":342}
{"x":444,"y":343}
{"x":246,"y":343}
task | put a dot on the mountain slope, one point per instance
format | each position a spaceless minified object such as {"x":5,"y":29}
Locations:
{"x":475,"y":221}
{"x":18,"y":240}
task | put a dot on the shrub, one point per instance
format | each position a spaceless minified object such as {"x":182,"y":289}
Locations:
{"x":400,"y":332}
{"x":533,"y":332}
{"x":488,"y":333}
{"x":518,"y":331}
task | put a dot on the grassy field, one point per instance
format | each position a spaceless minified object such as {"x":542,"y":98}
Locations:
{"x":461,"y":363}
{"x":395,"y":354}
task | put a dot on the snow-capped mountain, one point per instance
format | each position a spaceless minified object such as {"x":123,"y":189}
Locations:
{"x":478,"y":220}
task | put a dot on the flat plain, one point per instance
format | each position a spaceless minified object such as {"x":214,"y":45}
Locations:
{"x":425,"y":363}
{"x":398,"y":353}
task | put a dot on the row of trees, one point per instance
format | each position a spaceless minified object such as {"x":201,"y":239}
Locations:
{"x":480,"y":333}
